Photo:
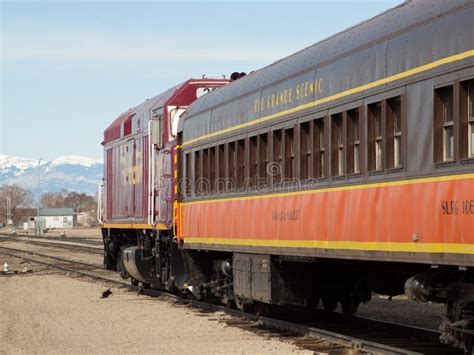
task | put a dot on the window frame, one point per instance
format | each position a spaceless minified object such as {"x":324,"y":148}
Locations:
{"x":189,"y":182}
{"x":353,"y":145}
{"x":337,"y":144}
{"x":305,"y":151}
{"x":277,"y":156}
{"x":253,"y":163}
{"x":441,"y":126}
{"x":375,"y":142}
{"x":221,"y":167}
{"x":289,"y":154}
{"x":394,"y":136}
{"x":466,"y":118}
{"x":263,"y":158}
{"x":369,"y":141}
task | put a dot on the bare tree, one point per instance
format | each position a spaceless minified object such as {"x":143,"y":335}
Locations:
{"x":52,"y":200}
{"x":20,"y":199}
{"x":80,"y":202}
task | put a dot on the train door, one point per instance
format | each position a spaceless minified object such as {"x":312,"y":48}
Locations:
{"x":160,"y":162}
{"x":133,"y":178}
{"x":164,"y":186}
{"x":129,"y":180}
{"x":155,"y":173}
{"x":108,"y":184}
{"x":138,"y":179}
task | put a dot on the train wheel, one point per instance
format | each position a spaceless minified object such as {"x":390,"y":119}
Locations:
{"x":226,"y":301}
{"x":119,"y":267}
{"x":329,"y":304}
{"x":107,"y":264}
{"x":459,"y":314}
{"x":109,"y":260}
{"x":242,"y":305}
{"x":261,"y":309}
{"x":312,"y":303}
{"x":349,"y":305}
{"x":133,"y":282}
{"x":239,"y":303}
{"x":145,"y":285}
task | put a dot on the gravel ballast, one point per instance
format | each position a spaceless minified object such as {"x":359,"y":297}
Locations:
{"x":57,"y":314}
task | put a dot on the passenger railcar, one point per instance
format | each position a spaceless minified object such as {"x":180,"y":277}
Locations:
{"x":344,"y":169}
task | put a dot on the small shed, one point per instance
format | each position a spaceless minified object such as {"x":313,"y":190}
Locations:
{"x":55,"y":218}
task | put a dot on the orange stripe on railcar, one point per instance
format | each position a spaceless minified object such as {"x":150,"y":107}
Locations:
{"x":430,"y":212}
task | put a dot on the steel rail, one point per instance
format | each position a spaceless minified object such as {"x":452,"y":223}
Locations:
{"x":352,"y":342}
{"x":64,"y":268}
{"x":73,"y":247}
{"x":83,"y":240}
{"x":95,"y":266}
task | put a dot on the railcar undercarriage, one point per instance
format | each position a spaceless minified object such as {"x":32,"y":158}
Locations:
{"x":254,"y":282}
{"x":455,"y":289}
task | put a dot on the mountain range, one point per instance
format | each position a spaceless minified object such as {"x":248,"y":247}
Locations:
{"x":69,"y":172}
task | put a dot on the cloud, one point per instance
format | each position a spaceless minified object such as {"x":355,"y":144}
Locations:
{"x":115,"y":47}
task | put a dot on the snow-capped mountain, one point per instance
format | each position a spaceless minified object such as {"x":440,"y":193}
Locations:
{"x":70,"y":172}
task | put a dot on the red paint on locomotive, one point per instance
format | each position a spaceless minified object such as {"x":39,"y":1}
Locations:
{"x":127,"y":156}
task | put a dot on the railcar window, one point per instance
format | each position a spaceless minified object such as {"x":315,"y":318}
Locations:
{"x":375,"y":136}
{"x":289,"y":153}
{"x":337,"y":143}
{"x":318,"y":148}
{"x":263,"y":157}
{"x":444,"y":124}
{"x":212,"y":169}
{"x":221,"y":169}
{"x":470,"y":95}
{"x":253,"y":161}
{"x":197,"y":171}
{"x":188,"y":182}
{"x":353,"y":142}
{"x":240,"y":163}
{"x":277,"y":157}
{"x":231,"y":171}
{"x":394,"y":133}
{"x":466,"y":113}
{"x":205,"y":172}
{"x":305,"y":151}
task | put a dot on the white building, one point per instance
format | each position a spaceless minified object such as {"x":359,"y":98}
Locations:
{"x":61,"y":218}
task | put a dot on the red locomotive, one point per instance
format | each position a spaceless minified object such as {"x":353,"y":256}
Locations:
{"x":344,"y":169}
{"x":140,"y":195}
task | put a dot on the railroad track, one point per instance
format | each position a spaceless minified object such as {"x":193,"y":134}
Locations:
{"x":309,"y":330}
{"x":80,"y":240}
{"x":94,"y":271}
{"x":65,"y":245}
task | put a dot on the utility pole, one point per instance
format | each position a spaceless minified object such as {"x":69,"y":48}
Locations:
{"x":9,"y":213}
{"x":37,"y":224}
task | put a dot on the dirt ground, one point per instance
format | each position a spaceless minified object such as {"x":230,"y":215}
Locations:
{"x":53,"y":313}
{"x":45,"y":311}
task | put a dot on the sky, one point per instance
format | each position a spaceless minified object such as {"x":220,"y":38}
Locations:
{"x":68,"y":69}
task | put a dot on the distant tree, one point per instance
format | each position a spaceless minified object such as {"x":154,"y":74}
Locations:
{"x":52,"y":200}
{"x":80,"y":202}
{"x":20,"y":199}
